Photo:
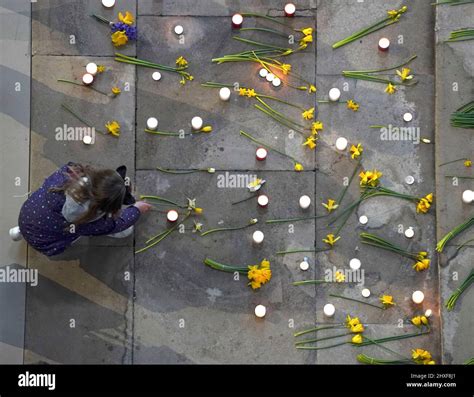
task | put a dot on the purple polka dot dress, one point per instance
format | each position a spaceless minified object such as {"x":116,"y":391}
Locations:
{"x":44,"y":227}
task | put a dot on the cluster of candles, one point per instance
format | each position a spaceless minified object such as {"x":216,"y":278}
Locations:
{"x":270,"y":77}
{"x":196,"y":123}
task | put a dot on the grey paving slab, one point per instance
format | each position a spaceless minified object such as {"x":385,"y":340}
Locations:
{"x":174,"y":105}
{"x":454,"y":61}
{"x":173,"y":282}
{"x":347,"y":354}
{"x":341,"y":18}
{"x":458,"y":323}
{"x":219,"y":7}
{"x":452,"y":18}
{"x":67,"y":28}
{"x":87,"y":287}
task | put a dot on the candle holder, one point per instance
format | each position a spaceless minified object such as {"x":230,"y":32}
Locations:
{"x":237,"y":21}
{"x":262,"y":200}
{"x":290,"y":10}
{"x":418,"y":297}
{"x":172,"y":216}
{"x":384,"y":44}
{"x":261,"y":153}
{"x":87,"y":79}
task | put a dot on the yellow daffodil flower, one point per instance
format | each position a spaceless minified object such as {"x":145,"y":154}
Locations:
{"x":387,"y":300}
{"x":251,"y":93}
{"x":116,"y":90}
{"x":298,"y":167}
{"x":119,"y":38}
{"x":306,"y":31}
{"x":302,"y":88}
{"x":420,"y":355}
{"x":331,"y":205}
{"x":127,"y":18}
{"x":256,"y":184}
{"x":181,"y":62}
{"x":422,"y":265}
{"x":356,"y":151}
{"x":392,"y":13}
{"x":390,"y":88}
{"x":422,"y":255}
{"x":357,"y":328}
{"x":353,"y":105}
{"x":419,"y":321}
{"x":113,"y":127}
{"x":306,"y":39}
{"x":285,"y":68}
{"x":259,"y":275}
{"x":331,"y":239}
{"x":211,"y":170}
{"x":310,"y":142}
{"x":357,"y":339}
{"x":312,"y":88}
{"x":316,"y":126}
{"x":339,"y":276}
{"x":429,"y":362}
{"x":370,"y":178}
{"x":198,"y":210}
{"x":424,"y":204}
{"x":308,"y":114}
{"x":242,"y":91}
{"x":468,"y":163}
{"x":100,"y":68}
{"x":265,"y":264}
{"x":351,"y":322}
{"x":405,"y":74}
{"x":207,"y":128}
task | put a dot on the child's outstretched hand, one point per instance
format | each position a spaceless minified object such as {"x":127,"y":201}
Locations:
{"x":143,"y":206}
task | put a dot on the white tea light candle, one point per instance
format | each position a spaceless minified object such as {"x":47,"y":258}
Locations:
{"x":260,"y":311}
{"x":304,"y":265}
{"x":237,"y":21}
{"x":409,"y":233}
{"x":258,"y":237}
{"x":224,"y":94}
{"x":270,"y":77}
{"x":428,"y":313}
{"x":263,"y":72}
{"x":334,"y":94}
{"x":290,"y":10}
{"x":15,"y":233}
{"x":341,"y":143}
{"x":354,"y":264}
{"x":409,"y":180}
{"x":366,"y":292}
{"x":156,"y":76}
{"x":178,"y":29}
{"x":384,"y":44}
{"x":407,"y":117}
{"x":276,"y":82}
{"x":363,"y":220}
{"x":87,"y":79}
{"x":91,"y":68}
{"x":418,"y":297}
{"x":261,"y":154}
{"x":172,"y":215}
{"x":196,"y":123}
{"x":305,"y":202}
{"x":468,"y":196}
{"x":108,"y":3}
{"x":152,"y":123}
{"x":262,"y":200}
{"x":329,"y":310}
{"x":87,"y":139}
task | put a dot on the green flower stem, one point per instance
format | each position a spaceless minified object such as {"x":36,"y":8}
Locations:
{"x":156,"y":236}
{"x":259,"y":44}
{"x":354,"y":173}
{"x":101,"y":19}
{"x":357,"y":300}
{"x":452,"y":2}
{"x":167,"y":133}
{"x":459,"y":291}
{"x":385,"y":69}
{"x":465,"y":244}
{"x":281,"y":101}
{"x":67,"y":108}
{"x":321,"y":347}
{"x":245,"y":199}
{"x":267,"y":146}
{"x":459,"y":177}
{"x":168,"y":171}
{"x":364,"y":359}
{"x":225,"y":268}
{"x":306,"y":341}
{"x":82,"y":85}
{"x":222,"y":229}
{"x":368,"y":77}
{"x":158,"y":198}
{"x":152,"y":64}
{"x":163,"y":235}
{"x":405,"y":359}
{"x":453,"y":233}
{"x":316,"y":329}
{"x":265,"y":30}
{"x":392,"y":338}
{"x":461,"y":35}
{"x":302,"y":250}
{"x":276,"y":118}
{"x":306,"y":218}
{"x":371,"y":239}
{"x":279,"y":114}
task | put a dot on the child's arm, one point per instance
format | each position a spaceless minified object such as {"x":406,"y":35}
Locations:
{"x":108,"y":225}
